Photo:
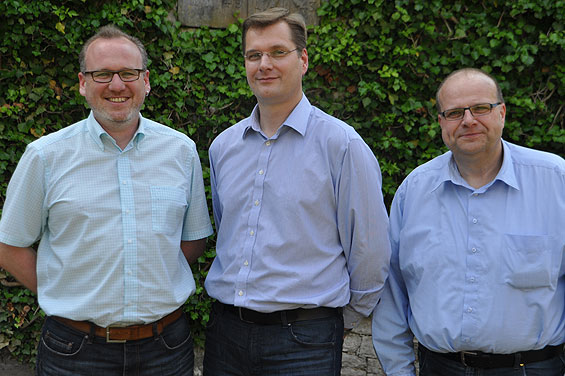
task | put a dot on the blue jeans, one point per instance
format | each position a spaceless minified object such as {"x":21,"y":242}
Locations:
{"x":435,"y":365}
{"x":234,"y":347}
{"x":65,"y":351}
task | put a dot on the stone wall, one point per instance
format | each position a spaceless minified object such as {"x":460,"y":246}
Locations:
{"x":359,"y":357}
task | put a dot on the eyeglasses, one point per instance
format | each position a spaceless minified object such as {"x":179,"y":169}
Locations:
{"x":258,"y":55}
{"x":105,"y":76}
{"x":476,"y":110}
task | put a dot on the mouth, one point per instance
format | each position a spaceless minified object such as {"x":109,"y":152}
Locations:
{"x":117,"y":99}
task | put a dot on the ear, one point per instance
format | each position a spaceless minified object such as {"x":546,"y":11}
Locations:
{"x":146,"y":81}
{"x":82,"y":84}
{"x":503,"y":113}
{"x":304,"y":60}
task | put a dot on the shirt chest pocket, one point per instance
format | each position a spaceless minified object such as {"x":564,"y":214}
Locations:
{"x":530,"y":262}
{"x":168,"y":206}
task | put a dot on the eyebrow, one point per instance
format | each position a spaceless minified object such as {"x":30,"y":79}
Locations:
{"x":272,"y":48}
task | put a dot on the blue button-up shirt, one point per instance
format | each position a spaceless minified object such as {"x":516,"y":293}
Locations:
{"x":300,"y":216}
{"x":109,"y":221}
{"x":475,"y":269}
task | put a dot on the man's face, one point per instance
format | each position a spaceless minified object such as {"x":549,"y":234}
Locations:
{"x":115,"y":104}
{"x":473,"y":135}
{"x":275,"y":81}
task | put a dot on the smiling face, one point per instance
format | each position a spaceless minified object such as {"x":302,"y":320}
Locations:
{"x":275,"y":81}
{"x":115,"y":104}
{"x":471,"y":136}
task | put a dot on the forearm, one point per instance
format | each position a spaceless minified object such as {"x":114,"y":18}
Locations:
{"x":193,"y":249}
{"x":21,"y":263}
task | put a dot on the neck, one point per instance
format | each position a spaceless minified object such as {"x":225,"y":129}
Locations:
{"x":479,"y":170}
{"x":122,"y":134}
{"x":272,"y":116}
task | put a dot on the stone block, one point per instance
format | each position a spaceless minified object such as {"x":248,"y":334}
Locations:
{"x":221,"y":13}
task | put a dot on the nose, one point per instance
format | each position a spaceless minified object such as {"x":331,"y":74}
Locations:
{"x":116,"y":83}
{"x":468,"y":116}
{"x":265,"y":62}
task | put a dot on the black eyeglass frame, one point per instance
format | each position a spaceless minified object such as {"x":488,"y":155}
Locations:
{"x":269,"y":54}
{"x":470,"y":108}
{"x":139,"y":71}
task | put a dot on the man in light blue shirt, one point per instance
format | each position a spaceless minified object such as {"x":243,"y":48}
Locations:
{"x":478,"y":237}
{"x":302,"y":229}
{"x":117,"y":204}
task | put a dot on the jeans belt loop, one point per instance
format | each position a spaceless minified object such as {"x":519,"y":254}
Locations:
{"x":518,"y":361}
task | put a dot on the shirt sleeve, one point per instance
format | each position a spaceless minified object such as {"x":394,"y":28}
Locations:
{"x":197,"y":218}
{"x":216,"y":207}
{"x":23,"y":215}
{"x":362,"y":225}
{"x":392,"y":337}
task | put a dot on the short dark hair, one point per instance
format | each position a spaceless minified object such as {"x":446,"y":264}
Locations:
{"x":469,"y":71}
{"x":111,"y":32}
{"x":272,"y":16}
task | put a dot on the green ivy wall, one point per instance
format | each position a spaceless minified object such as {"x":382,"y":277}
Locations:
{"x":375,"y":64}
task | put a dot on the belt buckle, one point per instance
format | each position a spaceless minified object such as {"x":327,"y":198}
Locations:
{"x":463,"y":353}
{"x":108,"y":340}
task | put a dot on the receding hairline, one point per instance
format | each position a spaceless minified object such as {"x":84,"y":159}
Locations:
{"x":469,"y":72}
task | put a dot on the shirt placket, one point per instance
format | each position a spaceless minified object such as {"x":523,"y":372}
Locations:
{"x":129,"y":238}
{"x":475,"y":271}
{"x":252,"y":222}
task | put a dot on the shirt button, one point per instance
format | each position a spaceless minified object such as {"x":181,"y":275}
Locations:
{"x":475,"y":220}
{"x":127,"y":211}
{"x":475,"y":194}
{"x":474,"y":250}
{"x":472,"y":279}
{"x":261,"y":172}
{"x":469,"y":309}
{"x":124,"y":182}
{"x":130,"y":241}
{"x":268,"y":143}
{"x":256,"y":202}
{"x":246,"y":263}
{"x":240,"y":293}
{"x":251,"y":232}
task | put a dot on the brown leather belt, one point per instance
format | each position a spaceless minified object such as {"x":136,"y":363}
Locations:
{"x":115,"y":334}
{"x":477,"y":359}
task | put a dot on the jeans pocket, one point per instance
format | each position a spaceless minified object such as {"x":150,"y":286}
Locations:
{"x":321,"y":333}
{"x":61,"y":346}
{"x":177,"y":334}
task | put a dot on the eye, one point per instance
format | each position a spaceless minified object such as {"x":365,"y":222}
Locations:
{"x":128,"y":74}
{"x":481,"y":109}
{"x":254,"y":56}
{"x":278,"y":53}
{"x":102,"y":75}
{"x":456,"y":113}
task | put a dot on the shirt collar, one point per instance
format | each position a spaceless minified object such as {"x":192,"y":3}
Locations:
{"x":97,"y":132}
{"x":297,"y":120}
{"x":506,"y":174}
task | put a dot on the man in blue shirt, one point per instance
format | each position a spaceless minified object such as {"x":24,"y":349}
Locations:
{"x":117,"y":203}
{"x":302,"y":229}
{"x":477,"y":269}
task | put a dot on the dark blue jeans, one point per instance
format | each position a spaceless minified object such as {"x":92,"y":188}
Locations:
{"x":65,"y":351}
{"x":234,"y":347}
{"x":435,"y":365}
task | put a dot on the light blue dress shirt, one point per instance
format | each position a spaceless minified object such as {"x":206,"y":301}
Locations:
{"x":300,"y":216}
{"x":475,"y":269}
{"x":110,"y":222}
